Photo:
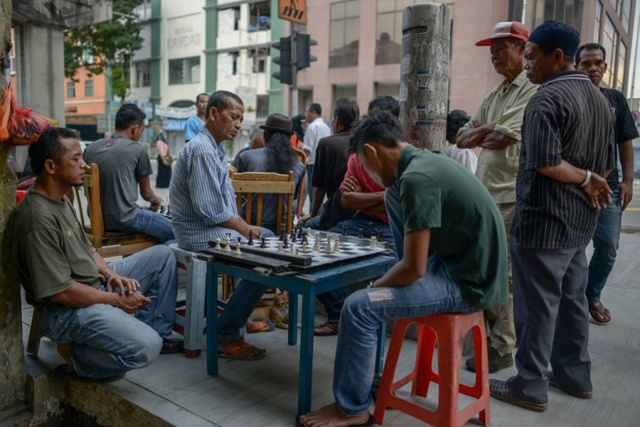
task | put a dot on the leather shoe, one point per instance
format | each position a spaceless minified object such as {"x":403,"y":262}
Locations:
{"x":575,"y":393}
{"x":496,"y":362}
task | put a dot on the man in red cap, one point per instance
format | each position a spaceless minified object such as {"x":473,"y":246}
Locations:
{"x":496,"y":128}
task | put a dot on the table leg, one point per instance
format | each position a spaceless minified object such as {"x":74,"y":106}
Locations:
{"x":382,"y":335}
{"x":306,"y":353}
{"x":212,"y":320}
{"x":293,"y":318}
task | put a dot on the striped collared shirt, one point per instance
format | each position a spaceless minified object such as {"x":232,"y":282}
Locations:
{"x":567,"y":119}
{"x":201,"y":193}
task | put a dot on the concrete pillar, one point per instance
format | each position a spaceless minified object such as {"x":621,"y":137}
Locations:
{"x":12,"y":371}
{"x":424,"y":69}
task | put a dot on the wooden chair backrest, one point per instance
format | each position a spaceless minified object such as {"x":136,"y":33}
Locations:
{"x":106,"y":243}
{"x":248,"y":184}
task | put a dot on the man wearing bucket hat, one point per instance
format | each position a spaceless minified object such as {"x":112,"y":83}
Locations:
{"x":496,"y":129}
{"x":276,"y":156}
{"x":567,"y":146}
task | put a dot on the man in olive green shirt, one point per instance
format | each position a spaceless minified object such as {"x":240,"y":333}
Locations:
{"x":496,"y":129}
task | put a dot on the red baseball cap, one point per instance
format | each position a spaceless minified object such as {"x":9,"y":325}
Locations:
{"x":514,"y":29}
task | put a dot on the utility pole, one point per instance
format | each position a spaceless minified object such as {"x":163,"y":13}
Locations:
{"x":293,"y":105}
{"x":424,"y":81}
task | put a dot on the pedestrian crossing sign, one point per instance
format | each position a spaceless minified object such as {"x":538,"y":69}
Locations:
{"x":293,"y":10}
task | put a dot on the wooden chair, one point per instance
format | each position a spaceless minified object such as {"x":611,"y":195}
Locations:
{"x":302,"y":156}
{"x":248,"y":184}
{"x":107,"y":243}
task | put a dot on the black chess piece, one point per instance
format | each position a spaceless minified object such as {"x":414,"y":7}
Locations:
{"x":250,"y":242}
{"x":239,"y":240}
{"x":360,"y":233}
{"x":263,"y":244}
{"x":345,"y":226}
{"x":379,"y":235}
{"x":285,"y":242}
{"x":304,"y":238}
{"x":293,"y":236}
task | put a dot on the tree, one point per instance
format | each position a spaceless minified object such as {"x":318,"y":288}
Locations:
{"x":107,"y":45}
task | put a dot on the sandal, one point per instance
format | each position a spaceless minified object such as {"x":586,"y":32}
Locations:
{"x":332,"y":329}
{"x":242,"y":351}
{"x":258,"y":326}
{"x":172,"y":345}
{"x":498,"y":390}
{"x":599,"y":313}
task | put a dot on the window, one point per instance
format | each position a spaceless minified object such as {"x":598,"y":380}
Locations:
{"x":143,"y":74}
{"x":596,"y":32}
{"x":609,"y":42}
{"x":535,"y":12}
{"x":88,"y":88}
{"x":259,"y":19}
{"x":184,"y":71}
{"x":389,"y":30}
{"x":343,"y":39}
{"x":71,"y":90}
{"x":625,"y":14}
{"x":234,"y":62}
{"x":620,"y":63}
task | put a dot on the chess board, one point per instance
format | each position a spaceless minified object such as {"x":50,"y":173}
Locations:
{"x":302,"y":258}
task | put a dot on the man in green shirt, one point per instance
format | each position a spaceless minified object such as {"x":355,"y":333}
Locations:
{"x":452,"y":248}
{"x":87,"y":304}
{"x":496,"y":129}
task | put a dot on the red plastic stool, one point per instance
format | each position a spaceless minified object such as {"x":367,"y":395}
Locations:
{"x":447,"y":333}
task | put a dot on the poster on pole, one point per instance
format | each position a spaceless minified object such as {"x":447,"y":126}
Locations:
{"x":293,"y":10}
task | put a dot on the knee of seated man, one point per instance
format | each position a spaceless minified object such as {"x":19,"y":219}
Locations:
{"x":146,"y":348}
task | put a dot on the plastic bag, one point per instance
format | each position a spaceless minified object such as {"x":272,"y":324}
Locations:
{"x":25,"y":126}
{"x":5,"y":111}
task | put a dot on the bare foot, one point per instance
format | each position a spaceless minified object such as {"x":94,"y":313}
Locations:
{"x":330,"y":416}
{"x":64,"y":351}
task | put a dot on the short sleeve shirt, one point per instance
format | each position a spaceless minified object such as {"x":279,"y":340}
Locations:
{"x":50,"y":248}
{"x":193,"y":126}
{"x":467,"y":230}
{"x":122,"y":163}
{"x":357,"y":171}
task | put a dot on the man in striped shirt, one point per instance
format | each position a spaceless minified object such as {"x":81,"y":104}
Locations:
{"x":203,"y":208}
{"x":566,"y":150}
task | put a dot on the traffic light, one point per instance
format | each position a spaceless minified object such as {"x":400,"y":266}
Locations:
{"x":285,"y":75}
{"x":303,"y":51}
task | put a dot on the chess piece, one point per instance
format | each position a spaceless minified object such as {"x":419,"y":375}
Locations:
{"x":379,"y":235}
{"x":328,"y":242}
{"x":285,"y":242}
{"x":292,"y":238}
{"x":217,"y":245}
{"x":305,"y":241}
{"x":250,"y":242}
{"x":316,"y":242}
{"x":238,"y":249}
{"x":373,"y":241}
{"x":280,"y":246}
{"x":345,"y":226}
{"x":336,"y":245}
{"x":360,"y":233}
{"x":263,"y":244}
{"x":292,"y":248}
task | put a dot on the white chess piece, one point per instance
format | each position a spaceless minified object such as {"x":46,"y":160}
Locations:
{"x":238,"y":249}
{"x":280,"y":247}
{"x":292,"y":249}
{"x":374,"y":240}
{"x":327,"y":248}
{"x":336,"y":244}
{"x":217,"y":246}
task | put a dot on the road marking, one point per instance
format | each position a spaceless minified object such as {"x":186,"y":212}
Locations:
{"x":632,"y":209}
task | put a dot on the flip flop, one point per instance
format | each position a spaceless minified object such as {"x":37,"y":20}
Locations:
{"x":242,"y":351}
{"x":599,"y":313}
{"x":259,"y":326}
{"x":172,"y":345}
{"x":332,"y":326}
{"x":66,"y":372}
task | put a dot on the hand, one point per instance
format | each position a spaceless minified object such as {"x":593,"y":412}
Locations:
{"x":131,"y":302}
{"x":351,"y":184}
{"x":626,"y":194}
{"x":304,"y":217}
{"x":156,"y":202}
{"x":125,"y":285}
{"x":598,"y":192}
{"x":256,"y":232}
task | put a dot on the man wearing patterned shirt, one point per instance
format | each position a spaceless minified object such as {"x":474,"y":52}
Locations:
{"x":567,"y":147}
{"x":203,"y":208}
{"x":496,"y":128}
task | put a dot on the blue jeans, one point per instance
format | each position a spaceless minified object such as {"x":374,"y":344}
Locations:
{"x":605,"y":246}
{"x":551,"y":320}
{"x":239,"y":307}
{"x":106,"y":341}
{"x":309,"y":185}
{"x":153,"y":224}
{"x":333,"y":300}
{"x":365,"y":310}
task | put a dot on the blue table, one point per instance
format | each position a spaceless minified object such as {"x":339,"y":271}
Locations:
{"x":307,"y":284}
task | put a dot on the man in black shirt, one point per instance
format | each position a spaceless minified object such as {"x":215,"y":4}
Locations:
{"x":567,"y":138}
{"x":590,"y":58}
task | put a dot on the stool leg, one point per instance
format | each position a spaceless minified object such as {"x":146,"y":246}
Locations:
{"x":194,"y":310}
{"x":33,"y":344}
{"x":424,"y":361}
{"x":449,"y":360}
{"x":482,"y":374}
{"x":385,"y":392}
